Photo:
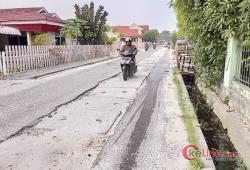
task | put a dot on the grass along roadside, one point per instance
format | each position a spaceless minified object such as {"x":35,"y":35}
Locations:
{"x":188,"y":118}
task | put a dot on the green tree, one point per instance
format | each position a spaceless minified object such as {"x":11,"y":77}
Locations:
{"x":151,"y":35}
{"x":165,"y":35}
{"x":208,"y":24}
{"x":41,"y":39}
{"x":74,"y":27}
{"x":110,"y":35}
{"x":173,"y":38}
{"x":89,"y":26}
{"x":96,"y":22}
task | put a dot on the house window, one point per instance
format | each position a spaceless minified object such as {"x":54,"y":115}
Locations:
{"x":60,"y":40}
{"x":17,"y":40}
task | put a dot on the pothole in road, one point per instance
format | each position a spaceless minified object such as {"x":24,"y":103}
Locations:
{"x":215,"y":134}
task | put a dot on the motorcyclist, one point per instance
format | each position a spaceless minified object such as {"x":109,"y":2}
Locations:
{"x":168,"y":45}
{"x":146,"y":46}
{"x":154,"y":45}
{"x":129,"y":47}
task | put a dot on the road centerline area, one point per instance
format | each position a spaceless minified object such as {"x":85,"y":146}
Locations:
{"x":143,"y":122}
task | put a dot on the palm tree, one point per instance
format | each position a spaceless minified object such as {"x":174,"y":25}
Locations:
{"x":95,"y":22}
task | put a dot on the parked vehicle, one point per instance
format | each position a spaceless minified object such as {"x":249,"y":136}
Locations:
{"x":181,"y":46}
{"x":128,"y":65}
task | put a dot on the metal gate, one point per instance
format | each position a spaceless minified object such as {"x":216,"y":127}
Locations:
{"x":243,"y":67}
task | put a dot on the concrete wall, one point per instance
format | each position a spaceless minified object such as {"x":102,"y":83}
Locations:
{"x":70,"y":41}
{"x":241,"y":89}
{"x":237,"y":102}
{"x":52,"y":38}
{"x":237,"y":93}
{"x":233,"y":52}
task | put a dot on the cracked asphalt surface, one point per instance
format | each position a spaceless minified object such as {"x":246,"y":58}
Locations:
{"x":107,"y":123}
{"x":23,"y":108}
{"x":151,"y":134}
{"x":73,"y":135}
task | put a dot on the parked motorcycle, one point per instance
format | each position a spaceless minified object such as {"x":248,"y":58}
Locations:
{"x":128,"y":66}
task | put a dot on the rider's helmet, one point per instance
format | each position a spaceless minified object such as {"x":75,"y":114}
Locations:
{"x":128,"y":40}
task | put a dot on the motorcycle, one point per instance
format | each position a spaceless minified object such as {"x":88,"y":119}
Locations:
{"x":146,"y":47}
{"x":128,"y":66}
{"x":154,"y":46}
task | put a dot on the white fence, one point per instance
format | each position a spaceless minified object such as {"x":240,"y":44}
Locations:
{"x":23,"y":58}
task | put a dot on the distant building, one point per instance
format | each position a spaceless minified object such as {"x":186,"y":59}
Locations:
{"x":145,"y":27}
{"x":135,"y":32}
{"x":31,"y":21}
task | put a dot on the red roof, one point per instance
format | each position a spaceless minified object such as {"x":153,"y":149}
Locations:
{"x":28,"y":14}
{"x":127,"y":31}
{"x":145,"y":27}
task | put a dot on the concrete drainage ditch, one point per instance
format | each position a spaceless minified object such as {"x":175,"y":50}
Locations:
{"x":222,"y":150}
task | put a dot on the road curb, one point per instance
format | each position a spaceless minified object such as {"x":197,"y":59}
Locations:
{"x":208,"y":163}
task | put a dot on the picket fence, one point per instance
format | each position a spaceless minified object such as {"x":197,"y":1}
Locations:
{"x":23,"y":58}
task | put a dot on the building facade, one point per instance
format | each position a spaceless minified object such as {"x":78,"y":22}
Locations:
{"x":31,"y":22}
{"x":135,"y":32}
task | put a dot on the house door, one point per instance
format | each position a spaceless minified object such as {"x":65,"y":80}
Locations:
{"x":17,"y":40}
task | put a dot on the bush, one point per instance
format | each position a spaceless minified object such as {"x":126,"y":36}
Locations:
{"x":208,"y":24}
{"x":41,"y":39}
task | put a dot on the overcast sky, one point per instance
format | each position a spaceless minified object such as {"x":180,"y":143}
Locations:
{"x":121,"y":12}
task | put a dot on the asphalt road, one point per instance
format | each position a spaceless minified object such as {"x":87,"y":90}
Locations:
{"x":24,"y":108}
{"x":151,"y":134}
